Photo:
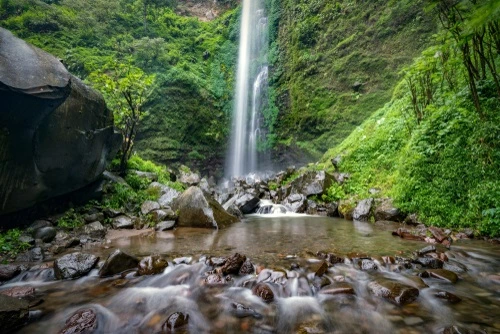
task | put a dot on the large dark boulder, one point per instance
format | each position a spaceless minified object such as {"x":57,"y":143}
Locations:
{"x":117,"y":262}
{"x":362,"y":211}
{"x":387,"y":211}
{"x":74,"y":265}
{"x":395,"y":292}
{"x":296,"y":203}
{"x":197,"y":209}
{"x":312,"y":183}
{"x":56,"y":134}
{"x":14,"y":313}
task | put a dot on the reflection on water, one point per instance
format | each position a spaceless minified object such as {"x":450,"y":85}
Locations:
{"x":142,"y":304}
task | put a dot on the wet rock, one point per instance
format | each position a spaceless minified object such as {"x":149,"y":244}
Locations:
{"x":429,"y":262}
{"x":149,"y":206}
{"x":74,"y":265}
{"x":441,"y":274}
{"x":263,"y":291}
{"x":455,"y":266}
{"x":112,"y":213}
{"x":448,"y":296}
{"x":296,"y":203}
{"x":235,"y":211}
{"x":216,"y":261}
{"x":33,"y":255}
{"x":82,"y":321}
{"x":165,"y":226}
{"x":247,"y":268}
{"x":460,"y":330}
{"x":387,"y":211}
{"x":14,"y":313}
{"x":320,"y":282}
{"x":23,"y":292}
{"x":247,"y":203}
{"x":163,"y":215}
{"x":346,"y":209}
{"x":438,"y":233}
{"x":426,"y":250}
{"x":216,"y":279}
{"x":393,"y":291}
{"x":334,"y":259}
{"x":175,"y":322}
{"x":241,"y":311}
{"x":337,"y":288}
{"x":117,"y":262}
{"x":233,"y":264}
{"x":9,"y":271}
{"x":93,"y":217}
{"x":48,"y":149}
{"x":312,"y":183}
{"x":408,"y":234}
{"x":183,"y":260}
{"x":122,"y":222}
{"x":196,"y":209}
{"x":363,"y":210}
{"x":368,"y":265}
{"x":38,"y":224}
{"x":320,"y":268}
{"x":152,"y":265}
{"x":46,"y":234}
{"x":95,"y":230}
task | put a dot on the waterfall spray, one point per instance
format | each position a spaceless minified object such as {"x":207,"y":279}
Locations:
{"x":252,"y":68}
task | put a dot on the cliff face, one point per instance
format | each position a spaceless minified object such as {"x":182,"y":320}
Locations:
{"x":56,"y":134}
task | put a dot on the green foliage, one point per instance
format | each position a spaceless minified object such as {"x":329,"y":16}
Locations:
{"x":10,"y":243}
{"x":334,"y":193}
{"x":137,"y":163}
{"x":273,"y":186}
{"x":70,"y":220}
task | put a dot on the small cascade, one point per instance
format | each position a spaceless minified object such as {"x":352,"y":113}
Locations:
{"x":247,"y":128}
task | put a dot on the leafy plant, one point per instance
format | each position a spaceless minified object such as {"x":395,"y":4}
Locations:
{"x":70,"y":220}
{"x":10,"y":243}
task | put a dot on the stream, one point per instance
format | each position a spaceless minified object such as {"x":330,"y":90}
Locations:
{"x":284,"y":250}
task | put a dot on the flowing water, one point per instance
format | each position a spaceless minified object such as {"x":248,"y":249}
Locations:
{"x":131,"y":304}
{"x":251,"y":86}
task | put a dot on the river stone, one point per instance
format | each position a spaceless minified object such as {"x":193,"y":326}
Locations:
{"x":216,"y":279}
{"x":163,"y":214}
{"x":247,"y":268}
{"x":168,"y":197}
{"x":14,"y":313}
{"x":122,"y":222}
{"x":197,"y":209}
{"x":93,"y":217}
{"x":233,"y":264}
{"x":448,"y":296}
{"x":319,"y":268}
{"x":437,"y":233}
{"x":117,"y":262}
{"x":9,"y":271}
{"x":24,"y":292}
{"x":166,"y":225}
{"x":393,"y":291}
{"x":387,"y":211}
{"x":441,"y":274}
{"x":46,"y":234}
{"x":187,"y":177}
{"x":429,"y":262}
{"x":362,"y":210}
{"x":247,"y":203}
{"x":82,"y":321}
{"x":312,"y":183}
{"x":337,"y":288}
{"x":296,"y":203}
{"x":57,"y":134}
{"x":74,"y":265}
{"x":95,"y":230}
{"x":152,"y":265}
{"x":368,"y":265}
{"x":175,"y":322}
{"x":263,"y":291}
{"x":149,"y":206}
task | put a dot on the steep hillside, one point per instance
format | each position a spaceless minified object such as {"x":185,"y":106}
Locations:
{"x":435,"y":148}
{"x":336,"y":62}
{"x":188,"y":112}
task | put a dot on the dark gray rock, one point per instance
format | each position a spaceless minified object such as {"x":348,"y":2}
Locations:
{"x":196,"y":209}
{"x":165,"y":225}
{"x":37,"y":224}
{"x":312,"y":183}
{"x":296,"y":203}
{"x":9,"y":271}
{"x":393,"y":291}
{"x":341,"y":177}
{"x":74,"y":265}
{"x":187,"y":177}
{"x":95,"y":230}
{"x":168,"y":197}
{"x":93,"y":217}
{"x":124,"y":222}
{"x":14,"y":313}
{"x":387,"y":211}
{"x":162,"y":215}
{"x":152,"y":265}
{"x":117,"y":262}
{"x":46,"y":234}
{"x":362,"y":211}
{"x":247,"y":203}
{"x":57,"y":135}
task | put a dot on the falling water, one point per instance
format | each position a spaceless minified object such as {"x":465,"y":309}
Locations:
{"x":252,"y":68}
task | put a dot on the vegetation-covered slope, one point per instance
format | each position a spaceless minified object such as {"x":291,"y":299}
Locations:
{"x":334,"y":63}
{"x":192,"y":61}
{"x":433,"y":148}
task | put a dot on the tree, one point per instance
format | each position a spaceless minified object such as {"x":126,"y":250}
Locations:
{"x":126,"y":89}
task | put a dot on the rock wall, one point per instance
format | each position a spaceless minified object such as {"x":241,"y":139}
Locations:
{"x":56,"y":134}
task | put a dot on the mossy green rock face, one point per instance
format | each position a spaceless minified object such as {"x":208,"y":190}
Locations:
{"x":56,"y":134}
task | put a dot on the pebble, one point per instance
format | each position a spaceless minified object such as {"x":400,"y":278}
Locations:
{"x":411,"y":321}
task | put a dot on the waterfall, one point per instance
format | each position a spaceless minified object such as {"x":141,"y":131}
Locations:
{"x":247,"y":127}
